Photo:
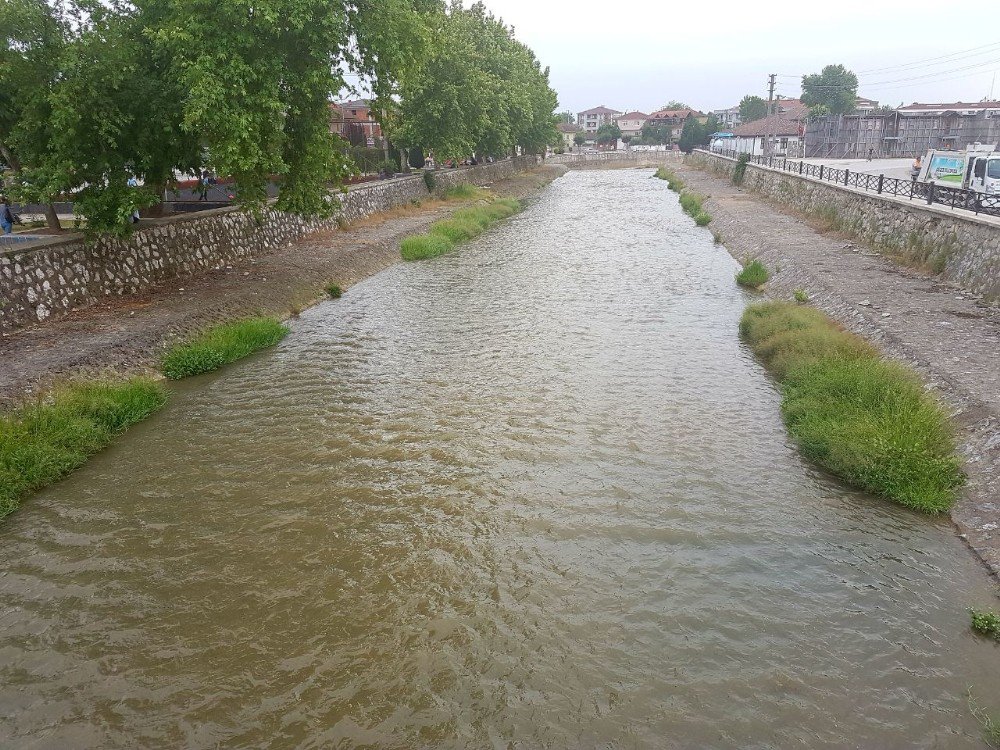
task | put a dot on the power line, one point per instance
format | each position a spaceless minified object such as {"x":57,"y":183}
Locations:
{"x":924,"y":62}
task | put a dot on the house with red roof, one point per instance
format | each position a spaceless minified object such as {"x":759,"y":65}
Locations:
{"x":631,"y":124}
{"x":592,"y":119}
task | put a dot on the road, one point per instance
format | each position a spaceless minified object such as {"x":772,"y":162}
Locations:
{"x":899,"y":168}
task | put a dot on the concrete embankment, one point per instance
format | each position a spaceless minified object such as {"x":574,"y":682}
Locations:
{"x":950,"y":335}
{"x":127,"y":332}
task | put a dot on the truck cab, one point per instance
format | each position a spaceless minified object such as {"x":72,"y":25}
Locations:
{"x":977,"y":169}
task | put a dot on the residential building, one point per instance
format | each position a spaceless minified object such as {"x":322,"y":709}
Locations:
{"x":353,"y":121}
{"x":864,"y":106}
{"x":779,"y":134}
{"x":592,"y":119}
{"x":631,"y":124}
{"x":568,"y":132}
{"x":728,"y":118}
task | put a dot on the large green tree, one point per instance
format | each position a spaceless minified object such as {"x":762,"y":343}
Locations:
{"x":752,"y":108}
{"x":833,"y":90}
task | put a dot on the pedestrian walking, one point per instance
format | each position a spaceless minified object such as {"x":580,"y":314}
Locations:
{"x":203,"y":186}
{"x":133,"y":182}
{"x":871,"y":153}
{"x":6,"y":216}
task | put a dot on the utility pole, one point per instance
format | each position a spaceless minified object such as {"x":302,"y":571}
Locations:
{"x":770,"y":111}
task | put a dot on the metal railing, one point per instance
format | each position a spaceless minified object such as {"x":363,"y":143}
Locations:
{"x":968,"y":200}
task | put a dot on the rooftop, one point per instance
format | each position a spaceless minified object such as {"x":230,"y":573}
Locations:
{"x":680,"y":114}
{"x":634,"y":116}
{"x":783,"y":123}
{"x":916,"y":106}
{"x":602,"y":110}
{"x":566,"y":127}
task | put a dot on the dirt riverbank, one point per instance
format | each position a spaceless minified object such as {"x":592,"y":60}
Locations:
{"x":950,"y":336}
{"x":127,"y":334}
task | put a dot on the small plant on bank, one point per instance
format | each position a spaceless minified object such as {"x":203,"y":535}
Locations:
{"x":716,"y":237}
{"x":753,"y":275}
{"x":691,"y":203}
{"x":421,"y":246}
{"x":702,"y":219}
{"x":430,"y":181}
{"x":800,"y":296}
{"x":464,"y":191}
{"x":740,"y":170}
{"x":991,"y":726}
{"x":985,"y":623}
{"x":42,"y":442}
{"x":221,"y":345}
{"x":334,"y":291}
{"x":673,"y":181}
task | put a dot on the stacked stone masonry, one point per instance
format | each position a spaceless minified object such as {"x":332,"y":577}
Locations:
{"x":53,"y":277}
{"x":964,"y":249}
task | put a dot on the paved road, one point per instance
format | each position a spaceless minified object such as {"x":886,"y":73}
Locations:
{"x":899,"y":168}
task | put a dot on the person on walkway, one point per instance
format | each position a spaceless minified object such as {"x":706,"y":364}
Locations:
{"x":915,"y":169}
{"x":133,"y":182}
{"x":203,"y":186}
{"x":6,"y":216}
{"x":871,"y":153}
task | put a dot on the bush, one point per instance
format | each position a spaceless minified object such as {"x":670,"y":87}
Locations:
{"x":986,"y":623}
{"x":691,"y":203}
{"x":221,"y":345}
{"x":800,"y":296}
{"x":702,"y":219}
{"x":423,"y":246}
{"x":753,"y":275}
{"x":43,"y":442}
{"x":430,"y":181}
{"x":740,"y":170}
{"x":334,"y":291}
{"x":866,"y":420}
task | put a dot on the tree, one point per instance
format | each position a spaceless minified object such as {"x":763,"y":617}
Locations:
{"x":566,"y":117}
{"x":674,"y":104}
{"x":752,"y":108}
{"x":694,"y":134}
{"x":579,"y":139}
{"x":609,"y":133}
{"x":835,"y":88}
{"x":654,"y":134}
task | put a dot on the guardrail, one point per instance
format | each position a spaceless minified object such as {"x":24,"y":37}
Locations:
{"x":968,"y":200}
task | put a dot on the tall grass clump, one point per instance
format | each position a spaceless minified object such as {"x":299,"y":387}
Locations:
{"x":464,"y":191}
{"x":333,"y":291}
{"x":740,"y":170}
{"x":465,"y":224}
{"x":753,"y":275}
{"x":674,"y":182}
{"x":42,"y":442}
{"x":702,"y":219}
{"x":221,"y":345}
{"x":866,"y":420}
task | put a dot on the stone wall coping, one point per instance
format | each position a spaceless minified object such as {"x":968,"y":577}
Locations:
{"x":916,"y":205}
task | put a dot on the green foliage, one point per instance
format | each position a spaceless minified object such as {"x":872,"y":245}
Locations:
{"x":464,"y":225}
{"x":674,"y":104}
{"x":754,"y":274}
{"x":221,"y":345}
{"x":695,"y":135}
{"x":800,"y":296}
{"x":702,"y":219}
{"x":429,"y":180}
{"x":991,"y":726}
{"x":752,"y":108}
{"x":43,"y":442}
{"x":608,"y":133}
{"x":674,"y":182}
{"x":740,"y":170}
{"x":653,"y":134}
{"x":691,"y":203}
{"x":464,"y":191}
{"x":986,"y":623}
{"x":866,"y":420}
{"x":835,"y":88}
{"x":334,"y":291}
{"x":579,"y":139}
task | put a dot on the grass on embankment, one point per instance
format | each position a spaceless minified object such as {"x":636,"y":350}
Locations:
{"x":754,"y":275}
{"x":40,"y":443}
{"x":690,"y":202}
{"x":463,"y":226}
{"x":867,"y":420}
{"x":221,"y":345}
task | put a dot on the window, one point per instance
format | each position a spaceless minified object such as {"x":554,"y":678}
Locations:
{"x":993,"y":171}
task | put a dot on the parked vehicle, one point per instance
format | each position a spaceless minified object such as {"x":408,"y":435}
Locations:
{"x":976,"y":169}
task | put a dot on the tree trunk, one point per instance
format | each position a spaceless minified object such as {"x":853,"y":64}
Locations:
{"x":52,"y":218}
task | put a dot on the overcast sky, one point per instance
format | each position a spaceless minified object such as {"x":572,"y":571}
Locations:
{"x":639,"y":54}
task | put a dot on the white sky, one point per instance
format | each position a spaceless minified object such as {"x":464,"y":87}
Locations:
{"x":638,"y":54}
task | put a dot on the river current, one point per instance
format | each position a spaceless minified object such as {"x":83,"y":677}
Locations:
{"x":535,"y":493}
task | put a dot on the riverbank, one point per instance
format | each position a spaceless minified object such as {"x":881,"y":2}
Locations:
{"x":949,"y":336}
{"x":128,"y":334}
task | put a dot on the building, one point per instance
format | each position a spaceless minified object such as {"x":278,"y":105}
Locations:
{"x":592,"y":119}
{"x":864,"y":106}
{"x":904,"y":132}
{"x":353,"y":121}
{"x":568,"y":131}
{"x":728,"y":118}
{"x":780,"y":134}
{"x":631,"y":124}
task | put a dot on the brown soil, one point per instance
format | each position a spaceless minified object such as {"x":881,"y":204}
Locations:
{"x":950,"y":336}
{"x":128,"y":334}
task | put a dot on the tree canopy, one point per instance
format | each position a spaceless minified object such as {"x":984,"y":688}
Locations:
{"x":752,"y":108}
{"x":833,"y":90}
{"x":93,"y":94}
{"x":674,"y":104}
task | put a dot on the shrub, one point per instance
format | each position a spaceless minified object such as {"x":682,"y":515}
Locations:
{"x":866,"y":420}
{"x":985,"y":622}
{"x":740,"y":170}
{"x":753,"y":275}
{"x":702,"y":219}
{"x":422,"y":246}
{"x":334,"y":291}
{"x":221,"y":345}
{"x":800,"y":296}
{"x":43,"y":442}
{"x":429,"y":180}
{"x":691,"y":203}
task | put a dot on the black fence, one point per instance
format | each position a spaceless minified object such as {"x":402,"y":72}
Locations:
{"x":932,"y":194}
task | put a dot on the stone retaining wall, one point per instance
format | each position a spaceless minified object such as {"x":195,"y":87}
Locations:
{"x":962,"y":249}
{"x":617,"y":159}
{"x":56,"y":276}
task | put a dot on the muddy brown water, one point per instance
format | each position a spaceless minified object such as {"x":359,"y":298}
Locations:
{"x":532,"y":494}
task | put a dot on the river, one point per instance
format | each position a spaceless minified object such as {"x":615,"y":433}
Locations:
{"x":531,"y":494}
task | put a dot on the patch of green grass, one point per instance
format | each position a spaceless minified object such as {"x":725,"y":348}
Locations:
{"x":986,"y":622}
{"x":42,"y":442}
{"x":221,"y":345}
{"x":422,"y":246}
{"x":702,"y":219}
{"x":464,"y":192}
{"x":333,"y":291}
{"x":866,"y":420}
{"x":465,"y":224}
{"x":674,"y":182}
{"x":753,"y":275}
{"x":691,"y":203}
{"x":800,"y":296}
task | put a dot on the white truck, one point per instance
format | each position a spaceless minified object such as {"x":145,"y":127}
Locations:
{"x":976,"y":169}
